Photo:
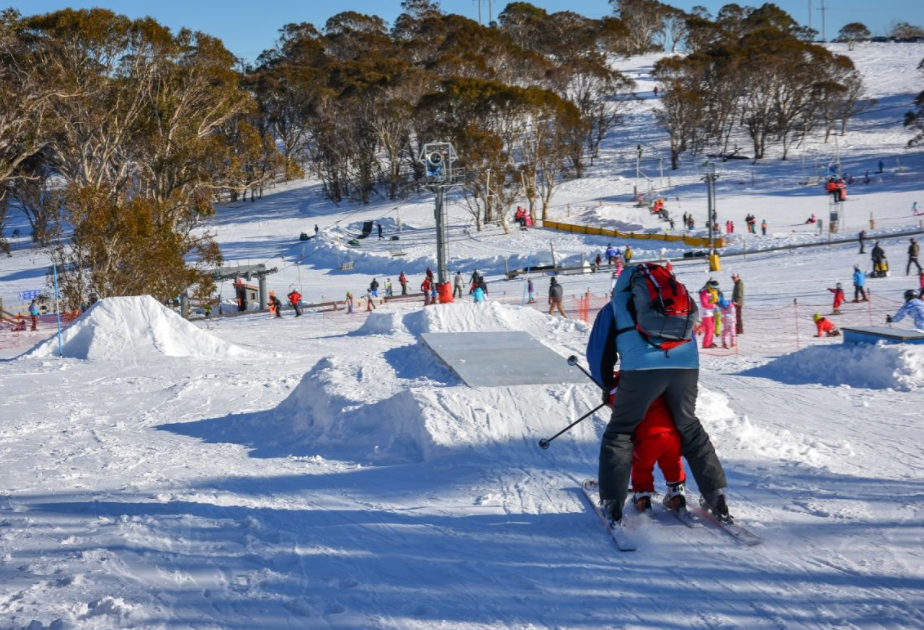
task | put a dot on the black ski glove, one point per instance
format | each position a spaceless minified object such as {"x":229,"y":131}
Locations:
{"x":888,"y":319}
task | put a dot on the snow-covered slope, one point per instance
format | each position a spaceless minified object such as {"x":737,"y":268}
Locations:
{"x":329,"y":472}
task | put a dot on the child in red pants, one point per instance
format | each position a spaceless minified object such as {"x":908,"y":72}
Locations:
{"x":838,"y":292}
{"x":656,"y":440}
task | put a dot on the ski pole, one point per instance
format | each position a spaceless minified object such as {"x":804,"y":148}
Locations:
{"x":573,"y":362}
{"x":545,"y":443}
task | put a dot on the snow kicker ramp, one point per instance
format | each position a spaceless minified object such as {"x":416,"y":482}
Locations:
{"x":124,"y":329}
{"x":494,"y":359}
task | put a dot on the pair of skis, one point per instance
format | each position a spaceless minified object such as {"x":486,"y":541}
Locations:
{"x":691,"y":518}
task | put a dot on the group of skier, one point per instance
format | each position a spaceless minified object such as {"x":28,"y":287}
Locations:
{"x":721,"y":317}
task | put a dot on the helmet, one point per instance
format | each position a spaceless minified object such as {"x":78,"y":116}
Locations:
{"x":839,"y":285}
{"x":910,"y":294}
{"x":724,"y":302}
{"x":713,"y":284}
{"x":816,"y":317}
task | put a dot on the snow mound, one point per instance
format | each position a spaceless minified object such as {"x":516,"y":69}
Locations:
{"x":378,"y":323}
{"x":126,"y":328}
{"x":485,"y":317}
{"x":737,"y":437}
{"x":885,"y":366}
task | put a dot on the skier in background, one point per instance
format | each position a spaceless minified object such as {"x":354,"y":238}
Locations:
{"x":275,"y":305}
{"x":826,"y":327}
{"x":859,"y":284}
{"x":880,"y":265}
{"x":763,"y":227}
{"x":556,"y":294}
{"x":838,"y":292}
{"x":34,"y":314}
{"x":457,"y":285}
{"x":531,"y":291}
{"x":478,"y":294}
{"x":913,"y":251}
{"x":738,"y":301}
{"x":425,"y":287}
{"x":627,"y":255}
{"x":402,"y":280}
{"x":348,"y":303}
{"x":914,"y":307}
{"x":708,"y":297}
{"x":374,"y":288}
{"x":295,"y":299}
{"x":729,"y":338}
{"x":389,"y":290}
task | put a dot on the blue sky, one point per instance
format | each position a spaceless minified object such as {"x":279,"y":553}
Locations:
{"x":249,"y":27}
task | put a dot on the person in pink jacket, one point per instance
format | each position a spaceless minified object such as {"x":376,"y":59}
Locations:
{"x":707,"y":300}
{"x":729,"y":338}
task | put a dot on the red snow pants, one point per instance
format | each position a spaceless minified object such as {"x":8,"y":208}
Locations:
{"x":661,"y":448}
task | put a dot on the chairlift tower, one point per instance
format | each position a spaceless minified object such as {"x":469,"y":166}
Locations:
{"x":709,"y":176}
{"x":439,"y":161}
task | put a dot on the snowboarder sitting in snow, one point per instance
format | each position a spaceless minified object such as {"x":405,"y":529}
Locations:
{"x":914,"y":307}
{"x":838,"y":292}
{"x":655,"y":440}
{"x":826,"y":327}
{"x":811,"y":220}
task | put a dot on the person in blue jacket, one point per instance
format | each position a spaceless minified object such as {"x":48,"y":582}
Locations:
{"x":645,"y":374}
{"x":914,"y":307}
{"x":859,"y":283}
{"x":34,"y":314}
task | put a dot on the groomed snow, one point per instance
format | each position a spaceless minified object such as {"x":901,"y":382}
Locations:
{"x":329,"y":472}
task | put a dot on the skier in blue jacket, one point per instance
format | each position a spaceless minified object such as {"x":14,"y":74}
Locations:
{"x":646,"y":373}
{"x":914,"y":307}
{"x":859,"y":283}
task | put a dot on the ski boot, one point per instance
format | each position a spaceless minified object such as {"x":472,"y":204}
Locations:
{"x":718,"y":507}
{"x":642,"y":501}
{"x":613,"y":512}
{"x":675,"y":499}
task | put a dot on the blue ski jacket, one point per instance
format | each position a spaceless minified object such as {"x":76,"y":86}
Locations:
{"x":637,"y":354}
{"x":914,"y":308}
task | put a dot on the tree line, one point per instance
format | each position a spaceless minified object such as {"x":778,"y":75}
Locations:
{"x":127,"y":133}
{"x":751,"y":75}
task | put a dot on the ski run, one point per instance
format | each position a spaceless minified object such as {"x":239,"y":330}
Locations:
{"x":329,"y":472}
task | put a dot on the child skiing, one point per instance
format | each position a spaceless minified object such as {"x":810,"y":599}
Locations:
{"x":859,"y":284}
{"x":530,"y":290}
{"x":389,"y":291}
{"x":838,"y":292}
{"x":729,"y":323}
{"x":348,"y":302}
{"x":655,"y":440}
{"x":826,"y":327}
{"x":478,"y":294}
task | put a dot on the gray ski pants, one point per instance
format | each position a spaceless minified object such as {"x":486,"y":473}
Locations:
{"x":637,"y":390}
